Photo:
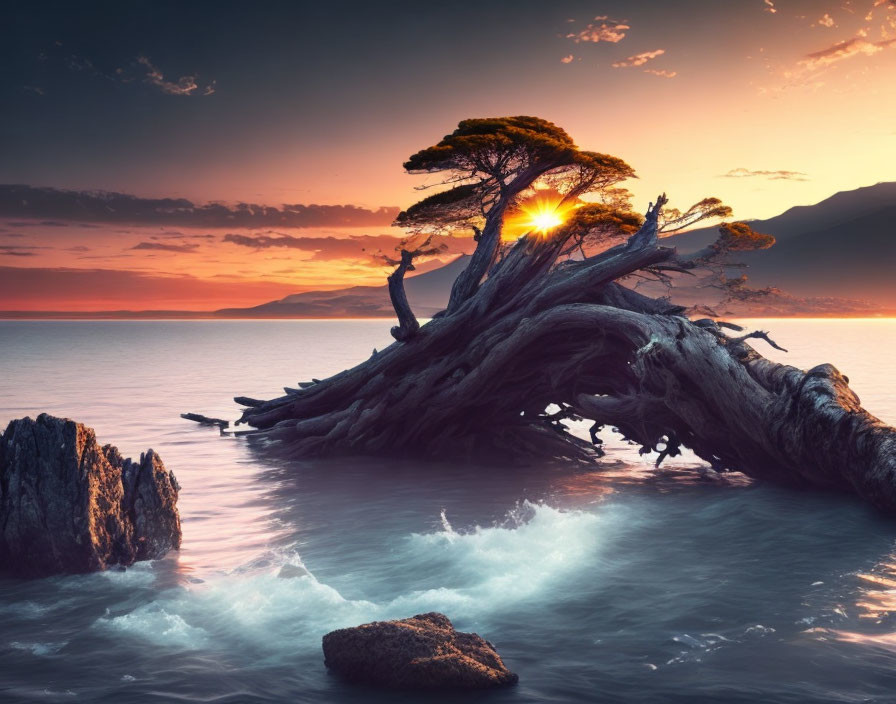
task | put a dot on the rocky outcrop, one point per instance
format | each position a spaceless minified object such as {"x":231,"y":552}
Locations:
{"x":421,"y":652}
{"x":68,"y":505}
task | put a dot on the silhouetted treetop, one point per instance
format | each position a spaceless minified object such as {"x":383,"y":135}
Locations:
{"x":495,"y":146}
{"x":492,"y":161}
{"x":453,"y":208}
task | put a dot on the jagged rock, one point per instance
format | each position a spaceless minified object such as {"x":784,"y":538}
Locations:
{"x":421,"y":652}
{"x":68,"y":506}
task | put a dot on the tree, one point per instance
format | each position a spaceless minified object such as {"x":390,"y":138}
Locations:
{"x":547,"y":328}
{"x":490,"y":163}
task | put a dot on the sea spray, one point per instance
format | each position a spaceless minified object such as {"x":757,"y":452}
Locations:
{"x":276,"y":607}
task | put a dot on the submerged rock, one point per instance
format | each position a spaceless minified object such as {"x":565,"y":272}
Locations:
{"x":68,"y":505}
{"x":421,"y":652}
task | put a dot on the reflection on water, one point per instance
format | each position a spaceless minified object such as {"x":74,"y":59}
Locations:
{"x":875,"y":603}
{"x":878,"y":600}
{"x":624,"y":583}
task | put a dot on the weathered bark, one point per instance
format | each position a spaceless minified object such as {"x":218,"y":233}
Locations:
{"x":488,"y":240}
{"x":407,"y":322}
{"x":475,"y":382}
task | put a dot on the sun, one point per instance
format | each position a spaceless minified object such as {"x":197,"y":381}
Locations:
{"x":545,"y":220}
{"x":539,"y":214}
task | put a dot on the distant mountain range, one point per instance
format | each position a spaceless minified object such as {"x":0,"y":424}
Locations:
{"x":427,"y":294}
{"x":842,"y":247}
{"x":837,"y":257}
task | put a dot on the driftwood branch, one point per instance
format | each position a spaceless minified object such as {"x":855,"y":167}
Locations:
{"x":220,"y":423}
{"x":475,"y":382}
{"x":759,"y":335}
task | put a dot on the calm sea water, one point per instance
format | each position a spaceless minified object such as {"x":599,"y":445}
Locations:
{"x":616,"y":585}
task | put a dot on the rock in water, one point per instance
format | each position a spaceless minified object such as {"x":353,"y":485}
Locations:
{"x":421,"y":652}
{"x":68,"y":505}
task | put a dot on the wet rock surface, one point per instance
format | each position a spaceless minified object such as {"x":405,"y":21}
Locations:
{"x":421,"y":652}
{"x":68,"y":505}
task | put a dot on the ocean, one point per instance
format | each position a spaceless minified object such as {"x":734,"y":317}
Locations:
{"x":619,"y":584}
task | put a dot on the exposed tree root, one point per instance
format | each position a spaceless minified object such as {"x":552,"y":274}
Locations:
{"x":475,"y":382}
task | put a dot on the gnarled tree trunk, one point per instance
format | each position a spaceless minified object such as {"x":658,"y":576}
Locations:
{"x":475,"y":382}
{"x":407,"y":322}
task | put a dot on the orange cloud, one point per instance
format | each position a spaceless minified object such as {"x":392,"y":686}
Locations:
{"x":639,"y":59}
{"x":779,"y":175}
{"x":844,"y":50}
{"x":602,"y":30}
{"x":662,"y":73}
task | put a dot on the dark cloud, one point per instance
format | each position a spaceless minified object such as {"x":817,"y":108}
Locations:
{"x":160,"y":246}
{"x":185,"y":85}
{"x":780,"y":175}
{"x":42,"y":223}
{"x":15,"y":250}
{"x":181,"y":236}
{"x":329,"y":248}
{"x":108,"y":207}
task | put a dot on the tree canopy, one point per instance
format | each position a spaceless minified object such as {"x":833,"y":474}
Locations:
{"x":740,"y":237}
{"x":489,"y":162}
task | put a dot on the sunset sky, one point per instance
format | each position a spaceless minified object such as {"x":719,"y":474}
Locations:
{"x":238,"y":128}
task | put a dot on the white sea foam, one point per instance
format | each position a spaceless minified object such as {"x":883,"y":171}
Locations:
{"x":283,"y":608}
{"x":494,"y":568}
{"x":137,"y":575}
{"x":158,"y":625}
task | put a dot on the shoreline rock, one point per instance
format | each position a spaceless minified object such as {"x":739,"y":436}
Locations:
{"x":68,"y":505}
{"x":421,"y":652}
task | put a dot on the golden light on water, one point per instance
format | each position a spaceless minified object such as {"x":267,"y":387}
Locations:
{"x":875,"y":604}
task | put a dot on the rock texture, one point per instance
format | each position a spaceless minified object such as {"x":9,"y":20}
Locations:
{"x":68,"y":505}
{"x":421,"y":652}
